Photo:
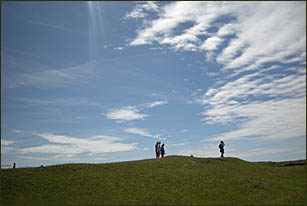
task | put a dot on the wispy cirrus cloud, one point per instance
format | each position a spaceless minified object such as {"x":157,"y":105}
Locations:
{"x":6,"y":142}
{"x":18,"y":131}
{"x":57,"y":27}
{"x":40,"y":74}
{"x":56,"y":158}
{"x":142,"y":132}
{"x":125,"y":114}
{"x":170,"y":145}
{"x":59,"y":102}
{"x":156,"y":103}
{"x":62,"y":144}
{"x":257,"y":153}
{"x":6,"y":146}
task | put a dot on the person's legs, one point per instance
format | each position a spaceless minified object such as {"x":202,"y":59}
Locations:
{"x":222,"y":152}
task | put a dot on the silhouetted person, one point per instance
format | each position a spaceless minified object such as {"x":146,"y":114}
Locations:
{"x":162,"y":150}
{"x":14,"y":166}
{"x":221,"y":146}
{"x":158,"y":150}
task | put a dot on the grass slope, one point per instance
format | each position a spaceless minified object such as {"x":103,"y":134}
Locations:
{"x":173,"y":180}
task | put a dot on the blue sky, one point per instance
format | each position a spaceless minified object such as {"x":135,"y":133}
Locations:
{"x":95,"y":82}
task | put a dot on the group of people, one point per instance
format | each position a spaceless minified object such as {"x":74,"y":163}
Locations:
{"x":159,"y":150}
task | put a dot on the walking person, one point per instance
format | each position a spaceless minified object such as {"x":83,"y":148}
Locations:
{"x":221,"y":146}
{"x":162,"y":150}
{"x":158,"y":150}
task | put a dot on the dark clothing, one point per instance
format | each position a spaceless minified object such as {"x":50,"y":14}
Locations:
{"x":221,"y":146}
{"x":222,"y":151}
{"x":158,"y":150}
{"x":162,"y":151}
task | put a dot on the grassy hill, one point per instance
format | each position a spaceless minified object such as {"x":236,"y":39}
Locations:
{"x":173,"y":180}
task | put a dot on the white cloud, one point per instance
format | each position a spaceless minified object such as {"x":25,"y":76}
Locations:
{"x":18,"y":131}
{"x":7,"y":149}
{"x":119,"y":48}
{"x":156,"y":103}
{"x":6,"y":142}
{"x":227,"y":29}
{"x":142,"y":132}
{"x":259,"y":32}
{"x":261,"y":104}
{"x":210,"y":92}
{"x":125,"y":114}
{"x":211,"y":43}
{"x":5,"y":146}
{"x":136,"y":13}
{"x":129,"y":113}
{"x":140,"y":10}
{"x":62,"y":145}
{"x":170,"y":17}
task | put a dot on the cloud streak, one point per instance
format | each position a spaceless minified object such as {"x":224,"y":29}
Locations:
{"x":61,"y":144}
{"x":156,"y":103}
{"x":57,"y":27}
{"x":142,"y":132}
{"x":6,"y":146}
{"x":41,"y":74}
{"x":125,"y":114}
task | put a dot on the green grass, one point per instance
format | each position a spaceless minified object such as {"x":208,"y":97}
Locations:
{"x":173,"y":180}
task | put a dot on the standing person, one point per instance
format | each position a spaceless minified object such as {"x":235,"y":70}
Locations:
{"x":221,"y":146}
{"x":162,"y":151}
{"x":158,"y":150}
